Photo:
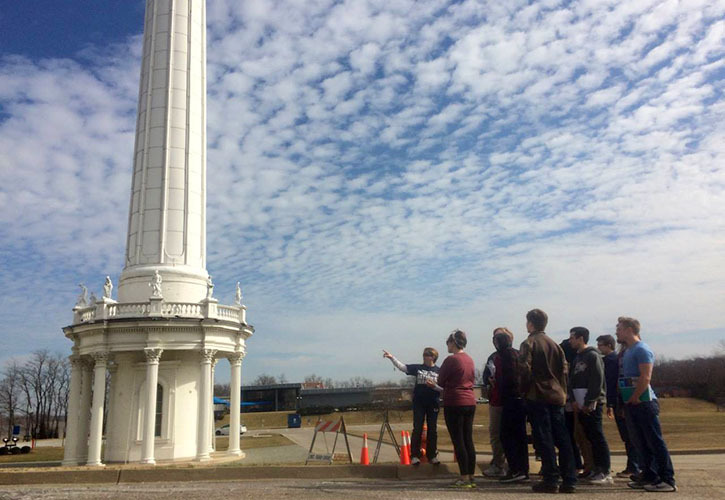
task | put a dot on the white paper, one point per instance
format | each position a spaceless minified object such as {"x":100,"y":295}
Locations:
{"x":579,"y":395}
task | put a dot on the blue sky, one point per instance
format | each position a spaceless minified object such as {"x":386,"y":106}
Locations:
{"x":381,"y":172}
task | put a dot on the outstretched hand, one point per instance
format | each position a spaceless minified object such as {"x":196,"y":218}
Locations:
{"x":386,"y":354}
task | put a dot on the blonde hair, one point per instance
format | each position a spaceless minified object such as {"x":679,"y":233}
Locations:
{"x":504,"y":330}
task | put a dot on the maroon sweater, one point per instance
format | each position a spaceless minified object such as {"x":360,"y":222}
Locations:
{"x":456,"y":376}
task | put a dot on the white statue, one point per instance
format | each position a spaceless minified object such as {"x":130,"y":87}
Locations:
{"x":238,"y":295}
{"x":156,"y":284}
{"x":93,"y":298}
{"x":83,"y":297}
{"x":107,"y":288}
{"x":209,"y":287}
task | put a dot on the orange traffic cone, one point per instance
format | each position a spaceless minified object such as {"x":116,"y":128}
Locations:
{"x":404,"y":454}
{"x":424,"y":444}
{"x":364,"y":457}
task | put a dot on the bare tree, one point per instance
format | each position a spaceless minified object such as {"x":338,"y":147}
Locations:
{"x":222,"y":390}
{"x":265,"y":379}
{"x":44,"y":384}
{"x":10,"y":393}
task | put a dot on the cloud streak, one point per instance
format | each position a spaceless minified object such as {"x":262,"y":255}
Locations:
{"x":381,"y":172}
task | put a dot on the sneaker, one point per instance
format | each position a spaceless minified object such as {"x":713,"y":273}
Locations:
{"x":567,"y":488}
{"x":415,"y":461}
{"x":493,"y":471}
{"x":661,"y":487}
{"x":544,"y":487}
{"x":625,"y":473}
{"x":600,"y":478}
{"x":514,"y":478}
{"x":434,"y":461}
{"x":460,"y":483}
{"x":585,"y":475}
{"x":637,"y":485}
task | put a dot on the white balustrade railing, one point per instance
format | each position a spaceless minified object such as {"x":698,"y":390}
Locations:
{"x":183,"y":309}
{"x":158,"y":308}
{"x":229,"y":312}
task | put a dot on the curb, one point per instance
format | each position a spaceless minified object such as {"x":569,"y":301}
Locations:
{"x":156,"y":475}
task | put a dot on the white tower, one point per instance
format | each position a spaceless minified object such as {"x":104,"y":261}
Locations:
{"x":161,"y":339}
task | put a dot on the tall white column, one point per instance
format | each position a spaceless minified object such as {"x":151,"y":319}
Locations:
{"x":149,"y":425}
{"x":205,"y":398}
{"x":84,"y":411}
{"x":212,"y":431}
{"x":99,"y":395}
{"x":70,"y":452}
{"x":167,"y":213}
{"x":235,"y":360}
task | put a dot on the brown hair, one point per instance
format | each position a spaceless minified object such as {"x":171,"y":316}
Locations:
{"x":630,"y":323}
{"x":458,"y":337}
{"x":505,"y":330}
{"x":607,"y":340}
{"x":432,"y":352}
{"x":538,"y":319}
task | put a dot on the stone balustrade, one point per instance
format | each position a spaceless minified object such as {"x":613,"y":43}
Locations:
{"x":106,"y":309}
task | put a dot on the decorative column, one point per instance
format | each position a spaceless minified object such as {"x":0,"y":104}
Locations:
{"x":202,"y":444}
{"x":235,"y":360}
{"x":84,"y":412}
{"x":149,"y":424}
{"x":99,"y":396}
{"x":70,"y":452}
{"x":212,"y":440}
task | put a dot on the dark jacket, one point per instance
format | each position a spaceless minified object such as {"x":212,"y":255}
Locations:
{"x":543,"y":369}
{"x":588,"y":373}
{"x":507,"y":379}
{"x":611,"y":374}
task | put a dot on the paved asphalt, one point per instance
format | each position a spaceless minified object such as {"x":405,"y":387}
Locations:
{"x":699,"y":476}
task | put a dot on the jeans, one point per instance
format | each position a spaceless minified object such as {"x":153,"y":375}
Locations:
{"x":643,"y":424}
{"x":592,"y":424}
{"x":429,"y":414}
{"x":459,"y":420}
{"x":513,"y":436}
{"x":632,"y":459}
{"x":550,"y":432}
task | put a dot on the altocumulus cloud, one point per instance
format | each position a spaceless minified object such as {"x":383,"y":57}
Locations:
{"x":383,"y":171}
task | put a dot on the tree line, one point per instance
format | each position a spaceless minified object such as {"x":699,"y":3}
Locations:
{"x":702,"y":377}
{"x":34,"y":394}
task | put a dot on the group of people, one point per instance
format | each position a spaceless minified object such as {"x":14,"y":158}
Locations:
{"x":563,"y":391}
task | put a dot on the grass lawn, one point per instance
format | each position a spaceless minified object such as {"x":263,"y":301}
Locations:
{"x":688,"y":424}
{"x":250,"y":442}
{"x":41,"y":454}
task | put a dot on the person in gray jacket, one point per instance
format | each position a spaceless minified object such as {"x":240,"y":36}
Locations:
{"x":586,"y":392}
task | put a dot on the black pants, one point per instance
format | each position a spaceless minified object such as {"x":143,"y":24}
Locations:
{"x":428,"y":413}
{"x":513,"y":436}
{"x":632,"y":459}
{"x":459,"y":421}
{"x":550,"y":433}
{"x":592,"y":424}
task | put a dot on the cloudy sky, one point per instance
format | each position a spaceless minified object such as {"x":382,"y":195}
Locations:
{"x":381,"y":172}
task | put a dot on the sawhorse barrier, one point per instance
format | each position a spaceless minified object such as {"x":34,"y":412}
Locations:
{"x":325,"y":427}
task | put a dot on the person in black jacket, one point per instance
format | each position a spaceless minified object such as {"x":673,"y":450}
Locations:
{"x":426,"y":404}
{"x":586,"y":392}
{"x":513,"y":416}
